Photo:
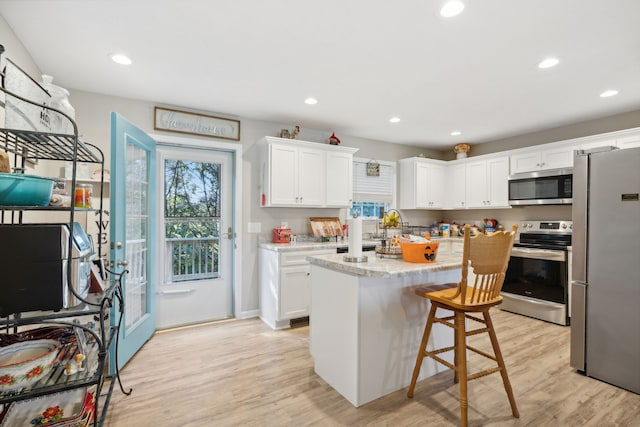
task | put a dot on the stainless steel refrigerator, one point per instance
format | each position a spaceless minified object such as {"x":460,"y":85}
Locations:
{"x":605,"y":288}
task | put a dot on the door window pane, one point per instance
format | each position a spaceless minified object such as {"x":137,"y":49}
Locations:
{"x":192,"y":220}
{"x":137,"y":223}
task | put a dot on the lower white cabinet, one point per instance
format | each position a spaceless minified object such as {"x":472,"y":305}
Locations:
{"x":285,"y":285}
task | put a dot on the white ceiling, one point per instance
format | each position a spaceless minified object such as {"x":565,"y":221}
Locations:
{"x":364,"y":60}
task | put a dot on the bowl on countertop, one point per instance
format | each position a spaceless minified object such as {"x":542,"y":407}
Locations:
{"x":419,"y":252}
{"x":24,"y":363}
{"x":18,"y":189}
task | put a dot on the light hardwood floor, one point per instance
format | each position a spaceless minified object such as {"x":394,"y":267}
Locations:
{"x":241,"y":373}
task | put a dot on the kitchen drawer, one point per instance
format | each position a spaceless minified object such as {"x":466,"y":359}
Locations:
{"x":300,"y":257}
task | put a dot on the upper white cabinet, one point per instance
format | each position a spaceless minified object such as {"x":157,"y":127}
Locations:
{"x":421,"y":183}
{"x":549,"y":158}
{"x":456,"y":187}
{"x":487,"y":185}
{"x":559,"y":155}
{"x":306,"y":174}
{"x":339,"y":188}
{"x":629,"y":141}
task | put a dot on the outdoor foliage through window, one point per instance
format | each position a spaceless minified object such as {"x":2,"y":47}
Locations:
{"x":192,"y":218}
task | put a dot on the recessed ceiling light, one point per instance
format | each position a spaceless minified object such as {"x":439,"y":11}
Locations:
{"x":394,"y":120}
{"x":548,"y":63}
{"x":452,"y":8}
{"x":311,"y":101}
{"x":456,"y":133}
{"x":121,"y":59}
{"x":608,"y":93}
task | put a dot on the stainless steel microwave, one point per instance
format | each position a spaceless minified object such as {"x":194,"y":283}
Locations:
{"x":33,"y":261}
{"x":550,"y":187}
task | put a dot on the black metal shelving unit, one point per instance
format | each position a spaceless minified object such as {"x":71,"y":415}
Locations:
{"x":100,"y":331}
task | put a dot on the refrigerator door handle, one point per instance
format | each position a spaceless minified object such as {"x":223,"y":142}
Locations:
{"x":578,"y":325}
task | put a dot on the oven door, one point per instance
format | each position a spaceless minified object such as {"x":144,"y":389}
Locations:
{"x":536,"y":284}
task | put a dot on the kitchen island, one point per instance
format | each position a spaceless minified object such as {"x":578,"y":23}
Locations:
{"x":366,"y":322}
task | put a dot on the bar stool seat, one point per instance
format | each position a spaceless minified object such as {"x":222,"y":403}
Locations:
{"x":488,"y":256}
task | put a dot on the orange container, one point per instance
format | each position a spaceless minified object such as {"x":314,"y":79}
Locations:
{"x":281,"y":235}
{"x":425,"y":252}
{"x":82,"y":195}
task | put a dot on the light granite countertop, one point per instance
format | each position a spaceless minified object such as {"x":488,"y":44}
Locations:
{"x":388,"y":268}
{"x":308,"y":246}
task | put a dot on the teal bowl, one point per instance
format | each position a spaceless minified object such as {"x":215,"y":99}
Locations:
{"x":25,"y":190}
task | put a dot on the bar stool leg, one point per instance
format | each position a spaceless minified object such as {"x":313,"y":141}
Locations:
{"x":503,"y":368}
{"x":461,"y":365}
{"x":423,"y":348}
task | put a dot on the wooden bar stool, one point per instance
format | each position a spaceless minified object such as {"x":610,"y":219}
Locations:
{"x":489,"y":257}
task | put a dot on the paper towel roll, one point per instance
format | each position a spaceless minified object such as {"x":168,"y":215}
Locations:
{"x":355,"y":237}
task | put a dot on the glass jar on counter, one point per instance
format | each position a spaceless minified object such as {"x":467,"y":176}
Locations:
{"x":82,"y":197}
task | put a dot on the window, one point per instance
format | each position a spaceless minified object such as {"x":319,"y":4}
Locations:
{"x":192,"y":219}
{"x":372,"y":194}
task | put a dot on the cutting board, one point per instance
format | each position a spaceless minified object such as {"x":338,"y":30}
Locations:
{"x":326,"y":226}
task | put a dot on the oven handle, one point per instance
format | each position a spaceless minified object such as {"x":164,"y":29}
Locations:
{"x":535,"y":253}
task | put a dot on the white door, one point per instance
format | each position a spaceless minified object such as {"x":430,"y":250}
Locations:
{"x":196,"y":235}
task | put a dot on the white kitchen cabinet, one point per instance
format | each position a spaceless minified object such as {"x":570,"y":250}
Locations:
{"x":306,"y":174}
{"x":487,"y":185}
{"x":339,"y":183}
{"x":456,"y":187}
{"x":285,"y":285}
{"x":545,"y":159}
{"x":629,"y":141}
{"x":421,"y":183}
{"x":297,"y":176}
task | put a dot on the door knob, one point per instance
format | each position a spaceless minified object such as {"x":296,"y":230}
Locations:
{"x":123,"y":262}
{"x":230,"y":233}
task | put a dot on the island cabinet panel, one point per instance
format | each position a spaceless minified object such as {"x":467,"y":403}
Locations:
{"x":366,"y":322}
{"x":305,"y":174}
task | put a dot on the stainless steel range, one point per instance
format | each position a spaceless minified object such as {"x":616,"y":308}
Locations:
{"x":538,"y":276}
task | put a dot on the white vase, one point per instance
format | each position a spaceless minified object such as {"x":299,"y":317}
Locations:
{"x":461,"y":154}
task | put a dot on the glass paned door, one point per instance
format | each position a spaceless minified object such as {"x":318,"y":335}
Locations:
{"x":197,"y":214}
{"x":132,"y":240}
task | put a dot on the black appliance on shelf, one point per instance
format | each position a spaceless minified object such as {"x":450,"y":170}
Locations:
{"x":33,"y":264}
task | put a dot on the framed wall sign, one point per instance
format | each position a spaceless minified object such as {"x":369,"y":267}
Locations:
{"x":373,"y":168}
{"x":196,"y":124}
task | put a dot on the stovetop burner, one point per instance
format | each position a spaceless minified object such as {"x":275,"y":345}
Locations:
{"x":544,"y":234}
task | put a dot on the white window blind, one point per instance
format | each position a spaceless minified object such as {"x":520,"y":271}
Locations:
{"x":373,"y":188}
